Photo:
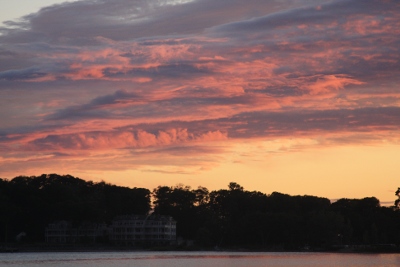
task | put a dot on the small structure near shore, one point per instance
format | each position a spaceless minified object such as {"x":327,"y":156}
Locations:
{"x":63,"y":232}
{"x":139,"y":229}
{"x":123,"y":230}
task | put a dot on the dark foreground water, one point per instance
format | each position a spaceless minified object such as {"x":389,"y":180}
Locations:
{"x":196,"y":259}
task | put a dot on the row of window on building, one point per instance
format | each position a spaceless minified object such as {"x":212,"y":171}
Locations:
{"x":123,"y":230}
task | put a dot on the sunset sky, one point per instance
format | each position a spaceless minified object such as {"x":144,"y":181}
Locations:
{"x":296,"y":96}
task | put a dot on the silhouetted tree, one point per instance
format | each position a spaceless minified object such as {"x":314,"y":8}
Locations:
{"x":397,"y":202}
{"x":182,"y":204}
{"x":29,"y":204}
{"x":232,"y":217}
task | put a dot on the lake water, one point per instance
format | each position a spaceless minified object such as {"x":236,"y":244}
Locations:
{"x":196,"y":259}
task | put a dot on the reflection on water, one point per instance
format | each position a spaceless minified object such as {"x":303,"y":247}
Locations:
{"x":196,"y":259}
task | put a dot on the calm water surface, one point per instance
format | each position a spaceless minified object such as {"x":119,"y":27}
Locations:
{"x":196,"y":259}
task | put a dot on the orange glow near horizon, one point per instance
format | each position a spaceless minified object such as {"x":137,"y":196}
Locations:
{"x":332,"y":172}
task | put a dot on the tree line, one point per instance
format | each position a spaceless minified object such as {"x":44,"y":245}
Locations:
{"x":225,"y":218}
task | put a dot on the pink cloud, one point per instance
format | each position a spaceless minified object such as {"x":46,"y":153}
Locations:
{"x":121,"y":139}
{"x":159,"y":81}
{"x":329,"y":83}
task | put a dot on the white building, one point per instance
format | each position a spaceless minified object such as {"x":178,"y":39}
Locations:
{"x":124,"y":230}
{"x":64,"y":232}
{"x":140,"y":229}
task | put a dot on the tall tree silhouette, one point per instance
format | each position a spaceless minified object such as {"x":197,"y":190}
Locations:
{"x":397,"y":202}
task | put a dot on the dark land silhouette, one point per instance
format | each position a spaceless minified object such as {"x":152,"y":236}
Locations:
{"x":232,"y":218}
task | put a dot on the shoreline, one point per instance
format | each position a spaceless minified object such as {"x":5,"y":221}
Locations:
{"x":360,"y":249}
